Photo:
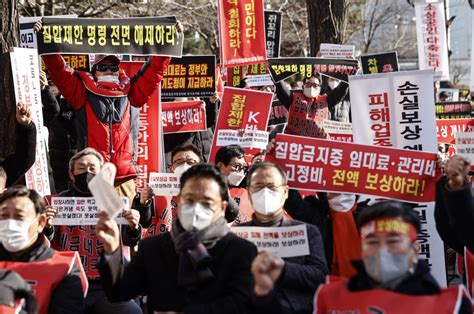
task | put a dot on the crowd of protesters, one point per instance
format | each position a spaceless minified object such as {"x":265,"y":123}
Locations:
{"x":355,"y":264}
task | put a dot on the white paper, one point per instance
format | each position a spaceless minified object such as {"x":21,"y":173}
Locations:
{"x":259,"y":80}
{"x":247,"y":139}
{"x":336,"y":51}
{"x":336,"y":127}
{"x":164,"y":184}
{"x":101,"y":187}
{"x":465,"y":145}
{"x":282,"y":241}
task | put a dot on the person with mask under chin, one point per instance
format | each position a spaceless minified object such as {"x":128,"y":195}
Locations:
{"x":308,"y":108}
{"x":231,"y":161}
{"x":301,"y":275}
{"x":83,"y":166}
{"x":198,"y":267}
{"x":390,"y":277}
{"x":57,"y":278}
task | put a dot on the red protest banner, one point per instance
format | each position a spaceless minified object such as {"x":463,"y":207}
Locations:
{"x":242,"y":109}
{"x":149,"y":137}
{"x":241,"y":32}
{"x":446,"y":128}
{"x":320,"y":165}
{"x":185,"y":116}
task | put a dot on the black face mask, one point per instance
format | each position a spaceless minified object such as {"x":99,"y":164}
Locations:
{"x":81,"y":182}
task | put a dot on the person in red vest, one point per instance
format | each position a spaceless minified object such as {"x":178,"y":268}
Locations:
{"x":57,"y":278}
{"x":390,"y":277}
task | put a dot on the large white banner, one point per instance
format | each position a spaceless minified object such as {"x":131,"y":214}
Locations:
{"x":397,"y":110}
{"x":25,"y":69}
{"x":431,"y":38}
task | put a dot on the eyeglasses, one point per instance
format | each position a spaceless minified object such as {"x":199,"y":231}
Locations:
{"x":238,"y":167}
{"x":179,"y":162}
{"x":309,"y":84}
{"x":258,"y":187}
{"x":105,"y":67}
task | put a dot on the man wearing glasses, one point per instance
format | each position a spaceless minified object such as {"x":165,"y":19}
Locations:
{"x":301,"y":275}
{"x":308,"y":108}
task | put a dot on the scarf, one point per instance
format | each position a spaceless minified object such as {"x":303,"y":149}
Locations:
{"x":192,"y":248}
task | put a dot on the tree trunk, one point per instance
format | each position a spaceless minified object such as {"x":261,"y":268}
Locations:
{"x":8,"y":39}
{"x":325,"y":22}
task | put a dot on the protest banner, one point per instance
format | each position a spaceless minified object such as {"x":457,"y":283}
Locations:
{"x":77,"y":62}
{"x":139,"y":36}
{"x":236,"y":74}
{"x":164,"y":184}
{"x":27,"y":35}
{"x":397,"y":110}
{"x":283,"y":68}
{"x":321,"y":165}
{"x":259,"y":80}
{"x":273,"y":33}
{"x":379,"y":62}
{"x":184,"y":116}
{"x":242,"y":109}
{"x":431,"y":38}
{"x":464,"y":143}
{"x":25,"y":71}
{"x":284,"y":242}
{"x":246,"y":139}
{"x":278,"y":113}
{"x":338,"y":131}
{"x":149,"y":147}
{"x":241,"y":32}
{"x":446,"y":129}
{"x":190,"y":76}
{"x":336,"y":51}
{"x":80,"y":211}
{"x":453,"y":109}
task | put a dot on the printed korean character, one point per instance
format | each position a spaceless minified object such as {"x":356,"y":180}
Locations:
{"x":382,"y":114}
{"x":356,"y":159}
{"x":115,"y":35}
{"x":339,"y":177}
{"x":411,"y":133}
{"x":138,"y":35}
{"x":409,"y":104}
{"x":422,"y":216}
{"x":143,"y":136}
{"x":381,"y":129}
{"x":336,"y":157}
{"x":309,"y":152}
{"x":78,"y":31}
{"x":316,"y":175}
{"x":125,"y":35}
{"x":382,"y":162}
{"x":67,"y":34}
{"x":417,"y":166}
{"x":407,"y":88}
{"x":369,"y":160}
{"x":414,"y":147}
{"x":142,"y":151}
{"x":414,"y":187}
{"x":410,"y":117}
{"x":430,"y":168}
{"x":372,"y":181}
{"x":378,"y":99}
{"x":404,"y":165}
{"x":323,"y":155}
{"x":425,"y":250}
{"x":386,"y":183}
{"x":101,"y":33}
{"x":47,"y":37}
{"x":281,"y":150}
{"x":353,"y":177}
{"x":57,"y":34}
{"x":399,"y":184}
{"x":290,"y":172}
{"x":303,"y":174}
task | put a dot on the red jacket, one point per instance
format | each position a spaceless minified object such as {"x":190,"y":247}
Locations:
{"x":105,"y":115}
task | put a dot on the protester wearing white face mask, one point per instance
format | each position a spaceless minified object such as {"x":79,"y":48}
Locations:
{"x":268,"y":190}
{"x":198,"y":267}
{"x":60,"y":284}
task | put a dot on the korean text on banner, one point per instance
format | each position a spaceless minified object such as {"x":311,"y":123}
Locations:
{"x":336,"y":51}
{"x":320,"y":165}
{"x":138,"y":36}
{"x":288,"y":241}
{"x":431,"y":38}
{"x":273,"y":33}
{"x":397,"y":109}
{"x":446,"y":129}
{"x":80,"y":211}
{"x":186,"y":116}
{"x":465,"y":146}
{"x":241,"y":32}
{"x":242,"y":109}
{"x":379,"y":63}
{"x":164,"y":184}
{"x":25,"y":73}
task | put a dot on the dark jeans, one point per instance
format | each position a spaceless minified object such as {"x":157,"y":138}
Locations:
{"x":97,"y":302}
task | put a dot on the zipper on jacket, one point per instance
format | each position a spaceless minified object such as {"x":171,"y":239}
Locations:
{"x":111,"y":119}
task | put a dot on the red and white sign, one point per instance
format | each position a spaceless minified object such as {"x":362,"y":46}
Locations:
{"x":164,"y":184}
{"x":242,"y":109}
{"x":25,"y":71}
{"x":465,"y":146}
{"x":320,"y":165}
{"x":447,"y":128}
{"x":431,"y":38}
{"x":149,"y":132}
{"x":241,"y":32}
{"x":186,"y":116}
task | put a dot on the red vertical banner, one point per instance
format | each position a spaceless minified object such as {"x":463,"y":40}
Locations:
{"x":242,"y":109}
{"x":241,"y":32}
{"x":149,"y":131}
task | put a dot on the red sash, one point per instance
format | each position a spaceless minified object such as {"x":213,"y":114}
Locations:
{"x":165,"y":212}
{"x":44,"y":276}
{"x":104,"y":88}
{"x":241,"y":196}
{"x":335,"y":298}
{"x":306,"y":119}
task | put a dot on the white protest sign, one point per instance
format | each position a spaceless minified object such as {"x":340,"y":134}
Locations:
{"x":336,"y":51}
{"x":282,"y":241}
{"x":247,"y":139}
{"x":465,"y":145}
{"x":336,"y":127}
{"x":259,"y":80}
{"x":164,"y":184}
{"x":80,"y":211}
{"x":101,"y":187}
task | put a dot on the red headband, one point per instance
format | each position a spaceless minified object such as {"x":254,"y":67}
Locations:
{"x":388,"y":225}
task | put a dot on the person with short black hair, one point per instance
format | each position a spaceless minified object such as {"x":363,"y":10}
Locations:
{"x":198,"y":267}
{"x":60,"y":283}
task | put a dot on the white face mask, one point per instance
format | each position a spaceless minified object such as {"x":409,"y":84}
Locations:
{"x":235,"y":178}
{"x":195,"y":216}
{"x":266,"y":201}
{"x":342,"y":202}
{"x":384,"y":266}
{"x":181,"y":169}
{"x":333,"y":84}
{"x":14,"y":234}
{"x":310,"y":92}
{"x":108,"y":79}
